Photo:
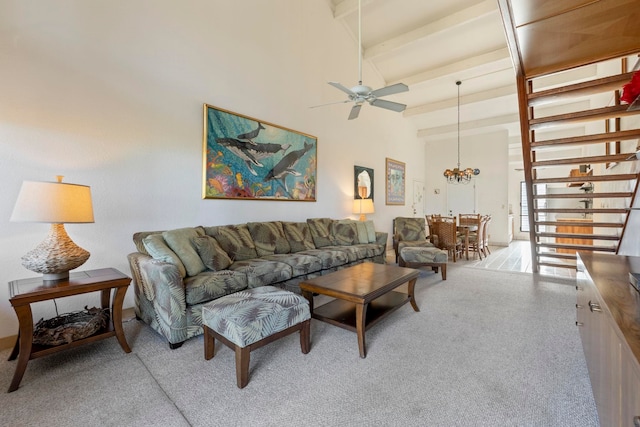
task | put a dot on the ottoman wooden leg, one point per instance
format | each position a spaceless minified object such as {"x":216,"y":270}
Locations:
{"x":444,"y":271}
{"x":209,"y":344}
{"x":305,"y":336}
{"x":243,"y":354}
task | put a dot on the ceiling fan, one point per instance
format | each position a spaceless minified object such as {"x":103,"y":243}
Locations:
{"x":361,"y":93}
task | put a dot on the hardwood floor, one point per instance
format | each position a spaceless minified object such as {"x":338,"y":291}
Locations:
{"x":515,"y":257}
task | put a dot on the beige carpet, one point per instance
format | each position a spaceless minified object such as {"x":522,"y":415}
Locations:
{"x":487,"y":349}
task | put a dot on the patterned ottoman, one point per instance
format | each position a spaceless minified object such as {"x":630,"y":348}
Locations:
{"x":252,"y":318}
{"x":424,"y":256}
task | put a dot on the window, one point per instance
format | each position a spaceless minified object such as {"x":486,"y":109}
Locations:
{"x":541,"y":189}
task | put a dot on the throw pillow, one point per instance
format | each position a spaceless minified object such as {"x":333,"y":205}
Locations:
{"x":361,"y":228}
{"x":298,"y":235}
{"x":345,"y":232}
{"x":179,"y":241}
{"x":235,"y":240}
{"x":321,"y":231}
{"x":211,"y":254}
{"x":269,"y":238}
{"x":371,"y":231}
{"x":158,"y":249}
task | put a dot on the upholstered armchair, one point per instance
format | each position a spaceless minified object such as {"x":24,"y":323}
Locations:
{"x":409,"y":232}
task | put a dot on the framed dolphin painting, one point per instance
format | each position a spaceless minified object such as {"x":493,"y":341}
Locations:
{"x":247,"y":158}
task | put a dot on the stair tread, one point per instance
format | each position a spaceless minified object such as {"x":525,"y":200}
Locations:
{"x":579,"y":89}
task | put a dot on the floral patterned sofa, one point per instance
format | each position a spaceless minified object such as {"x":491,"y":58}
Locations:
{"x":176,"y":272}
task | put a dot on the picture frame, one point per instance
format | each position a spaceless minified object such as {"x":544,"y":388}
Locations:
{"x":395,"y":176}
{"x":362,"y":177}
{"x":251,"y":159}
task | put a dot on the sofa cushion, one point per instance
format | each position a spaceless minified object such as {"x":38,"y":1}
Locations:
{"x":209,"y":285}
{"x":321,"y":231}
{"x":211,"y":254}
{"x":345,"y":232}
{"x":328,"y":257}
{"x":300,"y":264}
{"x":352,"y":252}
{"x":371,"y":231}
{"x":235,"y":240}
{"x":157,"y":248}
{"x":262,"y":272}
{"x":269,"y":238}
{"x":179,"y":240}
{"x":299,"y":236}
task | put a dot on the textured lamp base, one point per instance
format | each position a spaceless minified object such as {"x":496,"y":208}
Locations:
{"x":56,"y":255}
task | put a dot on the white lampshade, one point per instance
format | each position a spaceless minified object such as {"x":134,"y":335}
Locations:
{"x":363,"y":207}
{"x":56,"y":203}
{"x":53,"y":202}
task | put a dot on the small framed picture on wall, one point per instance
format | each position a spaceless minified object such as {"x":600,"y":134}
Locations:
{"x":395,"y":182}
{"x":362,"y":183}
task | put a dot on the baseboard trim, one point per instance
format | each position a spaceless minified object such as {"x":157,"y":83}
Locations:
{"x":10,"y":341}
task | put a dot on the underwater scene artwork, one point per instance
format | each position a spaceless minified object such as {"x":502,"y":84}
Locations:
{"x":247,"y":158}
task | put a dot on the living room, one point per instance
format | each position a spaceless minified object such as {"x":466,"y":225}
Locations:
{"x":111,"y":95}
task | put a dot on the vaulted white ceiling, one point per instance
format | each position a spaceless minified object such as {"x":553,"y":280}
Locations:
{"x":429,"y":45}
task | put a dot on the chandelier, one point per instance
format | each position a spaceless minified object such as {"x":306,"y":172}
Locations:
{"x":457,"y":175}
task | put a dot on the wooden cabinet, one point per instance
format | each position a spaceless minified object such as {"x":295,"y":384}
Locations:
{"x":587,"y":228}
{"x":608,"y":315}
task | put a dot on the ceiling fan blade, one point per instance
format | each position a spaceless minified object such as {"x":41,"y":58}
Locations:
{"x":388,"y":105}
{"x":342,"y":88}
{"x":390,"y":90}
{"x":355,"y":110}
{"x":331,"y":103}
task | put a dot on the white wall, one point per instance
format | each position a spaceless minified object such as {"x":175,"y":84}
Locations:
{"x":110,"y":95}
{"x":487,"y":152}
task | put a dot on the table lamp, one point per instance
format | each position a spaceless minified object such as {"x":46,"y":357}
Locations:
{"x":363,"y":207}
{"x":56,"y":203}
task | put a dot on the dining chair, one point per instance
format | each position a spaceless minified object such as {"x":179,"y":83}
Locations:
{"x":485,"y":235}
{"x":465,"y":219}
{"x":431,"y":235}
{"x":475,"y":233}
{"x":448,"y":238}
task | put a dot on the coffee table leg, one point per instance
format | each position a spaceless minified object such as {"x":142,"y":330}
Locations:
{"x":412,"y":299}
{"x":361,"y":315}
{"x":309,"y":296}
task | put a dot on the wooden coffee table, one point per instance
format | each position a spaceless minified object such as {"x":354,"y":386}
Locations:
{"x":364,"y":294}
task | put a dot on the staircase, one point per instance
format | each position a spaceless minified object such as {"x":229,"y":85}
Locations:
{"x":600,"y":180}
{"x":577,"y":137}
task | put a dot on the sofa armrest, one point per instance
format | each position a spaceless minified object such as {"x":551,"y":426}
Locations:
{"x":160,"y":296}
{"x":381,"y":238}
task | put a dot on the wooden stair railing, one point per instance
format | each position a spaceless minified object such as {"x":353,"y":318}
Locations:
{"x":550,"y":246}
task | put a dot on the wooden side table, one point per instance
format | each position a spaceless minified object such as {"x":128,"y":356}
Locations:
{"x":24,"y":292}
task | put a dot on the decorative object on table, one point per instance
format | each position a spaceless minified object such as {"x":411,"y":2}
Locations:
{"x":56,"y":203}
{"x":247,"y":158}
{"x":395,"y":180}
{"x":360,"y":93}
{"x":457,"y":175}
{"x":631,"y":92}
{"x":69,"y":327}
